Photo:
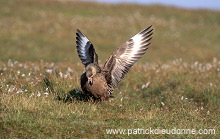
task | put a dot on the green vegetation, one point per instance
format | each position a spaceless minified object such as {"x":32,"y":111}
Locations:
{"x":174,"y":85}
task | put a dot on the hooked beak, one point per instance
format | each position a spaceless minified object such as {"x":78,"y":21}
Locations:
{"x":90,"y":81}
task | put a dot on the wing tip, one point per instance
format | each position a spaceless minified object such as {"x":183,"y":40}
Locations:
{"x":77,"y":30}
{"x":147,"y":30}
{"x":79,"y":33}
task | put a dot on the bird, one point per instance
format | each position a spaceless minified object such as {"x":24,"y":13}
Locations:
{"x":98,"y":82}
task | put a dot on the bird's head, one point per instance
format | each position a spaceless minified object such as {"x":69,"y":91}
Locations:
{"x":90,"y":73}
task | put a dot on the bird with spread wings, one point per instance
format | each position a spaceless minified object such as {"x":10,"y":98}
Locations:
{"x":99,"y":83}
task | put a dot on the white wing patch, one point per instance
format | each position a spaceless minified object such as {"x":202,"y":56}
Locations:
{"x":84,"y":46}
{"x":84,"y":40}
{"x":134,"y":49}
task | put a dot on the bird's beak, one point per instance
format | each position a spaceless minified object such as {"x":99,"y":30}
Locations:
{"x":90,"y":81}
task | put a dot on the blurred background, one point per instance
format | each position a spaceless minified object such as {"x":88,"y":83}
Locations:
{"x":205,"y":4}
{"x":33,"y":30}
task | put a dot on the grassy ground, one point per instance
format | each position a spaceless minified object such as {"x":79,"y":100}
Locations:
{"x":175,"y":85}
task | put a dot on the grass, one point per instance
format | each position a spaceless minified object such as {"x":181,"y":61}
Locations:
{"x":175,"y":85}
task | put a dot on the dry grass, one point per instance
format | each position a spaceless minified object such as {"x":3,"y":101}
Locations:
{"x":39,"y":29}
{"x":175,"y":85}
{"x":177,"y":94}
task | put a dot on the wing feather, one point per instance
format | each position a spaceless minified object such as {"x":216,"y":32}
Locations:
{"x":85,"y":49}
{"x":123,"y":58}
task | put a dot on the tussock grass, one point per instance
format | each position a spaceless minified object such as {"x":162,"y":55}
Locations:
{"x":175,"y":85}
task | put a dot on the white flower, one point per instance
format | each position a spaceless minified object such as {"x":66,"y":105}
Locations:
{"x":21,"y":91}
{"x":11,"y":89}
{"x":48,"y":70}
{"x":182,"y":98}
{"x":208,"y":112}
{"x":38,"y":94}
{"x":46,"y":93}
{"x":145,"y":85}
{"x":31,"y":95}
{"x":61,"y":74}
{"x":65,"y":76}
{"x":202,"y":108}
{"x":29,"y":74}
{"x":162,"y":103}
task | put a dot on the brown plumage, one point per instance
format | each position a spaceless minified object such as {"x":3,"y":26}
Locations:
{"x":99,"y":83}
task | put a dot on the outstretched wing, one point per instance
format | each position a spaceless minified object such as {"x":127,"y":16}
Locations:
{"x":123,"y":58}
{"x":85,"y":49}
